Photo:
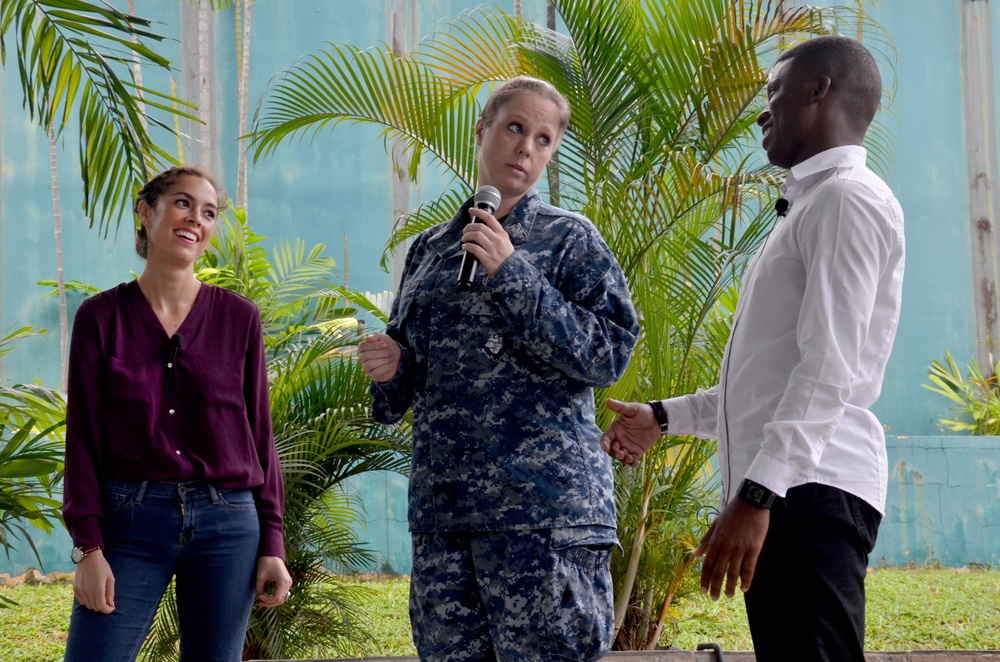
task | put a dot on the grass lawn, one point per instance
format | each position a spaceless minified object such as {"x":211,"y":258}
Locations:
{"x":908,"y":609}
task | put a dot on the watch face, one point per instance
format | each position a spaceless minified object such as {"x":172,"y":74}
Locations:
{"x":756,"y":494}
{"x":77,"y":555}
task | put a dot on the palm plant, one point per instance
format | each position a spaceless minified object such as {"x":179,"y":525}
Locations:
{"x":324,"y":435}
{"x":976,"y":396}
{"x":74,"y":56}
{"x":32,"y":423}
{"x":664,"y":95}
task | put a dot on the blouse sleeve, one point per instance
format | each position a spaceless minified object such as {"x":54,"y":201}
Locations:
{"x":270,"y":496}
{"x":82,"y":505}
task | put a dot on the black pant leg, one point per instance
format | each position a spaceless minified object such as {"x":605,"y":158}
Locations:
{"x":807,"y":599}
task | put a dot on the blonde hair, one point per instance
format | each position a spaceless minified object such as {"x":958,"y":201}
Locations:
{"x":509,"y":88}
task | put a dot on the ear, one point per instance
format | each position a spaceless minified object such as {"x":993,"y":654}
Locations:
{"x":480,"y":129}
{"x":142,"y":209}
{"x":821,"y":89}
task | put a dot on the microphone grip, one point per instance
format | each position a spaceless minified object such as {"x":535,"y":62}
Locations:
{"x":470,"y":265}
{"x":467,"y":274}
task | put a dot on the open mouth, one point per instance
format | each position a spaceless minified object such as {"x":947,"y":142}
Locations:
{"x":188,"y":235}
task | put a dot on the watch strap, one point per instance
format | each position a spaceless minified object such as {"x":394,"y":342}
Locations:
{"x":660,"y":412}
{"x":80,"y":553}
{"x":756,"y":494}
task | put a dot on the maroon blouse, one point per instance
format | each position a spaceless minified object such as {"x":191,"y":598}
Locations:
{"x":137,"y":410}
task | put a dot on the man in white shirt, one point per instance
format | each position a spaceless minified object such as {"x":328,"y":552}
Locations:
{"x":802,"y":458}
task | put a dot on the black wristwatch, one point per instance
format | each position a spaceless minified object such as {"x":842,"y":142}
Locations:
{"x":756,"y":494}
{"x":660,"y":412}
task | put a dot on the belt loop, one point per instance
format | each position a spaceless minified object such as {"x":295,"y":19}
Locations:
{"x":214,"y":494}
{"x":141,"y":492}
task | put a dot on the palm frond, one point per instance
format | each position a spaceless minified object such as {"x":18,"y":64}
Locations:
{"x":75,"y":54}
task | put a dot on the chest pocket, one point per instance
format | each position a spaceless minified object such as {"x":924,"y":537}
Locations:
{"x":489,"y":340}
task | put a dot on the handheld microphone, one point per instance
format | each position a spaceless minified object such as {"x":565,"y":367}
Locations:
{"x":781,"y":206}
{"x":488,"y":199}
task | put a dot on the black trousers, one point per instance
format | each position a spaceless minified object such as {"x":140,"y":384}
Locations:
{"x":807,"y":599}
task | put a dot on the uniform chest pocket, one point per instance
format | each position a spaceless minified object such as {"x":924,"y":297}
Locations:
{"x":487,"y":340}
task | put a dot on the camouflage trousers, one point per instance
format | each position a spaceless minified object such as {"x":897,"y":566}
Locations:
{"x":542,"y":594}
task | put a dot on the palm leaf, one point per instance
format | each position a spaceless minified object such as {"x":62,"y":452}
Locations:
{"x":70,"y":55}
{"x":664,"y":96}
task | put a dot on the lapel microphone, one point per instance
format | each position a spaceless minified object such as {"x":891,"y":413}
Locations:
{"x":781,"y":206}
{"x":176,"y":341}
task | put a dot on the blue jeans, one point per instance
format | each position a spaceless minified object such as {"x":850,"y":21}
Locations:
{"x":153,"y":531}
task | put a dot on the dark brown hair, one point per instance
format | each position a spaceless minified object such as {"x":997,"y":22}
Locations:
{"x":158,"y":185}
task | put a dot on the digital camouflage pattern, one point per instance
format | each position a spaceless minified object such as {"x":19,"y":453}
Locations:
{"x":501,"y":378}
{"x":548,"y":594}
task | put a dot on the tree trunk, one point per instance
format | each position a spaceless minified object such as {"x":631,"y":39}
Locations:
{"x":60,"y":277}
{"x":243,"y":78}
{"x":137,"y":70}
{"x":552,"y":170}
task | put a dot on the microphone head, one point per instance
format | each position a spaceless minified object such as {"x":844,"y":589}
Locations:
{"x":487,"y":197}
{"x":176,"y":340}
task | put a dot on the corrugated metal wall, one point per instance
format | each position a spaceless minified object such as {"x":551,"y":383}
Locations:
{"x":944,"y":173}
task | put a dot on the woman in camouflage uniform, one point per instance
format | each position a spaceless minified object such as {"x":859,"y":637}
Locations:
{"x":510,"y":504}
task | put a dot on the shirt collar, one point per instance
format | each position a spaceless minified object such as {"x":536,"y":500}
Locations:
{"x":845,"y":155}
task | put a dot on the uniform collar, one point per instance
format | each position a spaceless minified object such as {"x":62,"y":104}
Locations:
{"x":446,"y":239}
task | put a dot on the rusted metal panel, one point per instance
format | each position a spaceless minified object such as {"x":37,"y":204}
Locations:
{"x":981,"y":143}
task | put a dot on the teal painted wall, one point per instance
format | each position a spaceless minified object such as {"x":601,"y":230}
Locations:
{"x":943,"y":502}
{"x":337,"y":185}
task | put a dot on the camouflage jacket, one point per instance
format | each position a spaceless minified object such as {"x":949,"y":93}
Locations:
{"x":501,"y":378}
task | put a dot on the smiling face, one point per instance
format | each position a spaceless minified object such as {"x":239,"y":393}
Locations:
{"x":516,"y":145}
{"x":180,"y":222}
{"x":786,"y":122}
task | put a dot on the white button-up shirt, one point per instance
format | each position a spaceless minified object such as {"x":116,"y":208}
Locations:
{"x":810,"y":340}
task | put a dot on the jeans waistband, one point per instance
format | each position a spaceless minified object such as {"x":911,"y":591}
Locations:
{"x":161,"y":489}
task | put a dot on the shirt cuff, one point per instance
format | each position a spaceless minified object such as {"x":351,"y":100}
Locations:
{"x":680,"y":415}
{"x":272,"y":543}
{"x":397,"y":384}
{"x":771,"y":472}
{"x":87,"y":532}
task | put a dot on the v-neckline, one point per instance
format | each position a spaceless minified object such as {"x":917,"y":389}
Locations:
{"x":154,"y":319}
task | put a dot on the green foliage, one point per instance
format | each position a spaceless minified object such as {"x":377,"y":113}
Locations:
{"x":324,"y":435}
{"x":976,"y":396}
{"x":663,"y":95}
{"x":32,"y":426}
{"x":925,"y":608}
{"x":76,"y":56}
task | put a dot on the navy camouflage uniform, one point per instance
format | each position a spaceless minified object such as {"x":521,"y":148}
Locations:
{"x":506,"y":453}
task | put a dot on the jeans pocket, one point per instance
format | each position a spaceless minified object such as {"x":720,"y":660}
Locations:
{"x":120,"y":495}
{"x":237,"y":499}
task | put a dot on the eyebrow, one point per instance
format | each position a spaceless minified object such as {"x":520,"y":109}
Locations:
{"x":185,"y":194}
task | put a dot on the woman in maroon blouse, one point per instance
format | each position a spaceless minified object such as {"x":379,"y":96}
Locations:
{"x":171,"y":468}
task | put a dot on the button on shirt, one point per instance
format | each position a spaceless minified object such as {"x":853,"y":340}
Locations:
{"x":810,"y":340}
{"x":138,"y":410}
